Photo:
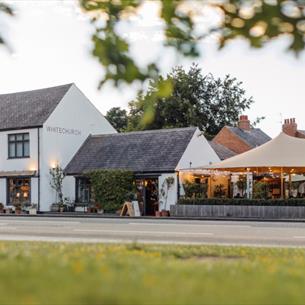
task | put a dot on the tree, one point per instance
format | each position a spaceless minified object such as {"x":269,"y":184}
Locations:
{"x":56,"y":182}
{"x":257,"y":21}
{"x":118,"y":118}
{"x":196,"y":100}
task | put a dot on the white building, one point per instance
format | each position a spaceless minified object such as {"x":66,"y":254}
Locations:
{"x":152,"y":156}
{"x":39,"y":129}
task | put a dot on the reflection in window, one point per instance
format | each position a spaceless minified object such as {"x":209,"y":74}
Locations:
{"x":19,"y":145}
{"x":19,"y":191}
{"x":83,"y":190}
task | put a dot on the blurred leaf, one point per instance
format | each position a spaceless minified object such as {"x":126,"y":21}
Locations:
{"x":6,"y":9}
{"x":165,"y":88}
{"x":257,"y":21}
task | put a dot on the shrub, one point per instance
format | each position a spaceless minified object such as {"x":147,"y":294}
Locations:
{"x":111,"y":187}
{"x":257,"y":202}
{"x":195,"y":190}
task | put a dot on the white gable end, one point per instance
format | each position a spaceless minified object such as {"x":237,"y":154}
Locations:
{"x":197,"y":153}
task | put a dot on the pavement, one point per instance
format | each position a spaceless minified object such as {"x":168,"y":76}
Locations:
{"x":169,"y":231}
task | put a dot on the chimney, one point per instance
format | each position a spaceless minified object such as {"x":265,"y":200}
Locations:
{"x":244,"y":122}
{"x":290,"y":127}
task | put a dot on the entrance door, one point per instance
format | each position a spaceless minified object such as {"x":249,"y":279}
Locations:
{"x":147,"y":193}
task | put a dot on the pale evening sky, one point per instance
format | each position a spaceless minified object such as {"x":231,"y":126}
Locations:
{"x":50,"y":45}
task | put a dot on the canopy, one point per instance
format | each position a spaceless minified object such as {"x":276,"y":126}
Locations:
{"x":283,"y":153}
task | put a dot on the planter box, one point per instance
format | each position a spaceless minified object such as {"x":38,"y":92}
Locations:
{"x":238,"y":211}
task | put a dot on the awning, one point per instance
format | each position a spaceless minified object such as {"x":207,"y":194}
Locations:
{"x":17,"y":174}
{"x":283,"y":153}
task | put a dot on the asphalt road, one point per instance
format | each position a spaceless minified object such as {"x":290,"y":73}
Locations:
{"x":152,"y":231}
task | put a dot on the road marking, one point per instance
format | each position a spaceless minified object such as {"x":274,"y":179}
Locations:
{"x":299,"y":237}
{"x":188,"y":225}
{"x":30,"y":221}
{"x":141,"y":232}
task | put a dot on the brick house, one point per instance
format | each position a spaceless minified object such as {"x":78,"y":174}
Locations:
{"x":231,"y":141}
{"x":290,"y":127}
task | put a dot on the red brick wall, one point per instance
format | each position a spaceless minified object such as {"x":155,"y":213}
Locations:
{"x":231,"y":141}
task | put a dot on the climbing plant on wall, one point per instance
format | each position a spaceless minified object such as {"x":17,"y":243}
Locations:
{"x":111,"y":187}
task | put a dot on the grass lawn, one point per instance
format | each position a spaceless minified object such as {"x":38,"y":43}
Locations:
{"x":57,"y":273}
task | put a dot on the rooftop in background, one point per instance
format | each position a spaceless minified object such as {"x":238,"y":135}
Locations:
{"x":290,"y":127}
{"x":140,"y":152}
{"x":29,"y":108}
{"x":222,"y":151}
{"x":241,"y":138}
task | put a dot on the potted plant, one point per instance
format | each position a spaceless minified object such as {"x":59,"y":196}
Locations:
{"x":57,"y":177}
{"x":158,"y":213}
{"x":166,"y":185}
{"x":61,"y":207}
{"x":33,"y":209}
{"x":18,"y":209}
{"x":1,"y":207}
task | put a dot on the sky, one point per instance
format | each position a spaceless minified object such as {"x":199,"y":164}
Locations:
{"x":50,"y":44}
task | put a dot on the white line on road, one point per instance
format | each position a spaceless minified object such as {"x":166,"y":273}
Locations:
{"x":188,"y":225}
{"x":40,"y":221}
{"x":142,"y":232}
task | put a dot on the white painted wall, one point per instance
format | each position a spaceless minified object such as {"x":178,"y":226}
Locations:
{"x":62,"y":135}
{"x":22,"y":163}
{"x":199,"y":152}
{"x":34,"y":190}
{"x":18,"y":164}
{"x":3,"y":190}
{"x":172,"y":196}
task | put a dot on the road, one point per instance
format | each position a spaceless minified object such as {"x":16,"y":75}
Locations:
{"x":152,"y":231}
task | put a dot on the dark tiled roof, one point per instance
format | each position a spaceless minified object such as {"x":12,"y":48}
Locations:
{"x":29,"y":108}
{"x":254,"y":137}
{"x":302,"y":132}
{"x":146,"y":151}
{"x":222,"y":151}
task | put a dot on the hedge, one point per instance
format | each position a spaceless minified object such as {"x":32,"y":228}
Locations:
{"x":111,"y":187}
{"x":243,"y":201}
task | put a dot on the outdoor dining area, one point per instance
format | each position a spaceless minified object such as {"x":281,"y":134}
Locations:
{"x":275,"y":170}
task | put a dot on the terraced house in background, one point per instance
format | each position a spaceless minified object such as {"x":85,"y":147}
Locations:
{"x":38,"y":130}
{"x":234,"y":140}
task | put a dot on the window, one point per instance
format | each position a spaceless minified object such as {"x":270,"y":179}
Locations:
{"x":83,"y":190}
{"x":18,"y":145}
{"x":19,"y":191}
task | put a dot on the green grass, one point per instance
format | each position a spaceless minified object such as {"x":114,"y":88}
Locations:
{"x":57,"y":273}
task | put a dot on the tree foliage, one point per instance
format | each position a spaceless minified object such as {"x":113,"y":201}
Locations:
{"x":196,"y":100}
{"x":257,"y":21}
{"x":111,"y":187}
{"x":118,"y":118}
{"x":56,"y":182}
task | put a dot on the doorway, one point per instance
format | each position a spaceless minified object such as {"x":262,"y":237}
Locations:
{"x":148,"y":195}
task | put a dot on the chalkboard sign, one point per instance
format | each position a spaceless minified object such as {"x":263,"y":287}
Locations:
{"x":136,"y":208}
{"x":131,"y":209}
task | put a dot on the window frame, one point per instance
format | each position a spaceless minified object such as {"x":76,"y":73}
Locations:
{"x":15,"y":142}
{"x":8,"y":193}
{"x":78,"y":182}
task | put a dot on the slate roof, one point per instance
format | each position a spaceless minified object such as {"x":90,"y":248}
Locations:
{"x":302,"y":132}
{"x":253,"y":137}
{"x":30,"y":108}
{"x":222,"y":151}
{"x":140,"y":152}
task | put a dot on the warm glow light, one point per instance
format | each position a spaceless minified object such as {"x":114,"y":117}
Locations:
{"x":53,"y":164}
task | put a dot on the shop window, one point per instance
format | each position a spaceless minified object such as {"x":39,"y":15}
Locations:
{"x":83,"y":190}
{"x":19,"y":191}
{"x":18,"y":145}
